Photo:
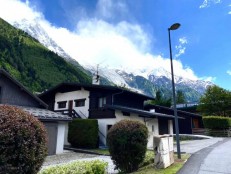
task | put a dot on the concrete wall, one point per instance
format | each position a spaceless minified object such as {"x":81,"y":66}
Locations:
{"x":153,"y":129}
{"x":60,"y":137}
{"x":66,"y":135}
{"x":75,"y":95}
{"x":170,"y":127}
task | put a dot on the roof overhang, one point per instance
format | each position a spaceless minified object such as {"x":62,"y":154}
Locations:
{"x":141,"y":113}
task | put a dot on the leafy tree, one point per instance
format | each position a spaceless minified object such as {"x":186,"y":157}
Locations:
{"x":32,"y":64}
{"x":160,"y":100}
{"x":180,"y":97}
{"x":216,"y":101}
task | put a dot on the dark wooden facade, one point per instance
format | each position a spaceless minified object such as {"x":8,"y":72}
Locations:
{"x":113,"y":95}
{"x":13,"y":93}
{"x":187,"y":122}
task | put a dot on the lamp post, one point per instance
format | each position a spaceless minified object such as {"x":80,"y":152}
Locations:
{"x":174,"y":27}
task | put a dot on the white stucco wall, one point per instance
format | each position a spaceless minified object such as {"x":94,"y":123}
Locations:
{"x":75,"y":95}
{"x":153,"y":129}
{"x":170,"y":127}
{"x":66,"y":135}
{"x":103,"y":125}
{"x":60,"y":137}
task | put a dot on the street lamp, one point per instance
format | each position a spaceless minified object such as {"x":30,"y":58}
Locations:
{"x":174,"y":27}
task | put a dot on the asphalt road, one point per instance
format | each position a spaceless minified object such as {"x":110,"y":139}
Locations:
{"x":213,"y":159}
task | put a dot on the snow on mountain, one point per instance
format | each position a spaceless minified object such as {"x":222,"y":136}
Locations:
{"x":34,"y":29}
{"x":146,"y":80}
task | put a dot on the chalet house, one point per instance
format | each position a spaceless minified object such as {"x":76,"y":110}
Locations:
{"x":14,"y":93}
{"x":190,"y":124}
{"x":107,"y":104}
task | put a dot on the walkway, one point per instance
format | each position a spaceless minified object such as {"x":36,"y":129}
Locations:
{"x":193,"y":146}
{"x":198,"y":162}
{"x":214,"y":159}
{"x":70,"y":156}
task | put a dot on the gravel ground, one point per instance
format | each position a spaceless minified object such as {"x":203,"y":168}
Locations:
{"x":70,"y":156}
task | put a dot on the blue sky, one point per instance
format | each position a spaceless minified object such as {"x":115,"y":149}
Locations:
{"x":201,"y":46}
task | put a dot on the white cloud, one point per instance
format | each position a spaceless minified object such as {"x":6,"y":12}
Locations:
{"x":181,"y":47}
{"x":229,"y":11}
{"x":207,"y":3}
{"x":210,"y":79}
{"x":14,"y":10}
{"x":228,"y":72}
{"x":95,"y":40}
{"x":109,"y":9}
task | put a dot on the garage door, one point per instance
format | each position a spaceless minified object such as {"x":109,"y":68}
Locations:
{"x":52,"y":137}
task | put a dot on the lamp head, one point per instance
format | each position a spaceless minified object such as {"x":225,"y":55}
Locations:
{"x":174,"y":26}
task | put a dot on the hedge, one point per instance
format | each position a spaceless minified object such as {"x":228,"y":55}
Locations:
{"x":83,"y":133}
{"x":79,"y":167}
{"x":216,"y":122}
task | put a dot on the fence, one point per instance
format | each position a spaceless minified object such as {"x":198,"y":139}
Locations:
{"x":218,"y":133}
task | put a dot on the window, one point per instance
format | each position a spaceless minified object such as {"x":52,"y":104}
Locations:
{"x":80,"y":102}
{"x":62,"y":104}
{"x":102,"y":101}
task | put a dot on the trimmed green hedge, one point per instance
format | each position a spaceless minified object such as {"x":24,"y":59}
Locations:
{"x":79,"y":167}
{"x":83,"y":133}
{"x":216,"y":122}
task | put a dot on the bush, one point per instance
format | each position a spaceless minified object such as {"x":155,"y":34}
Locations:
{"x":127,"y":142}
{"x":83,"y":133}
{"x":23,"y":141}
{"x":79,"y":167}
{"x":216,"y":122}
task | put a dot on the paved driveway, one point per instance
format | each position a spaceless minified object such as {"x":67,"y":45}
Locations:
{"x":213,"y":159}
{"x":196,"y":145}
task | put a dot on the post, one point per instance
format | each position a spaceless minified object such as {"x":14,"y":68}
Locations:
{"x":174,"y":99}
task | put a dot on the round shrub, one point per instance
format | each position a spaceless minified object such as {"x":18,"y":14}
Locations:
{"x":127,"y":142}
{"x":23,"y":141}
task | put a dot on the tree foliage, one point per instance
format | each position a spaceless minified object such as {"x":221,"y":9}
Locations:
{"x":180,"y":97}
{"x":32,"y":64}
{"x":215,"y":101}
{"x":160,"y":100}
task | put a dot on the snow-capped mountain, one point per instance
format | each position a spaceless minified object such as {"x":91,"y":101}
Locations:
{"x":146,"y":81}
{"x":34,"y":29}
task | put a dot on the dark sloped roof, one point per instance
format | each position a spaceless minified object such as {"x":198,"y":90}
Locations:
{"x":141,"y":113}
{"x":179,"y":112}
{"x":45,"y":115}
{"x":67,"y":87}
{"x":23,"y":88}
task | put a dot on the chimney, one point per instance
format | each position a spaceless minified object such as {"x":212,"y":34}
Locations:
{"x":96,"y":79}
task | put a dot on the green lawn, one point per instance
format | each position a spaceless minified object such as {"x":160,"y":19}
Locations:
{"x":148,"y":163}
{"x":101,"y":151}
{"x":150,"y":169}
